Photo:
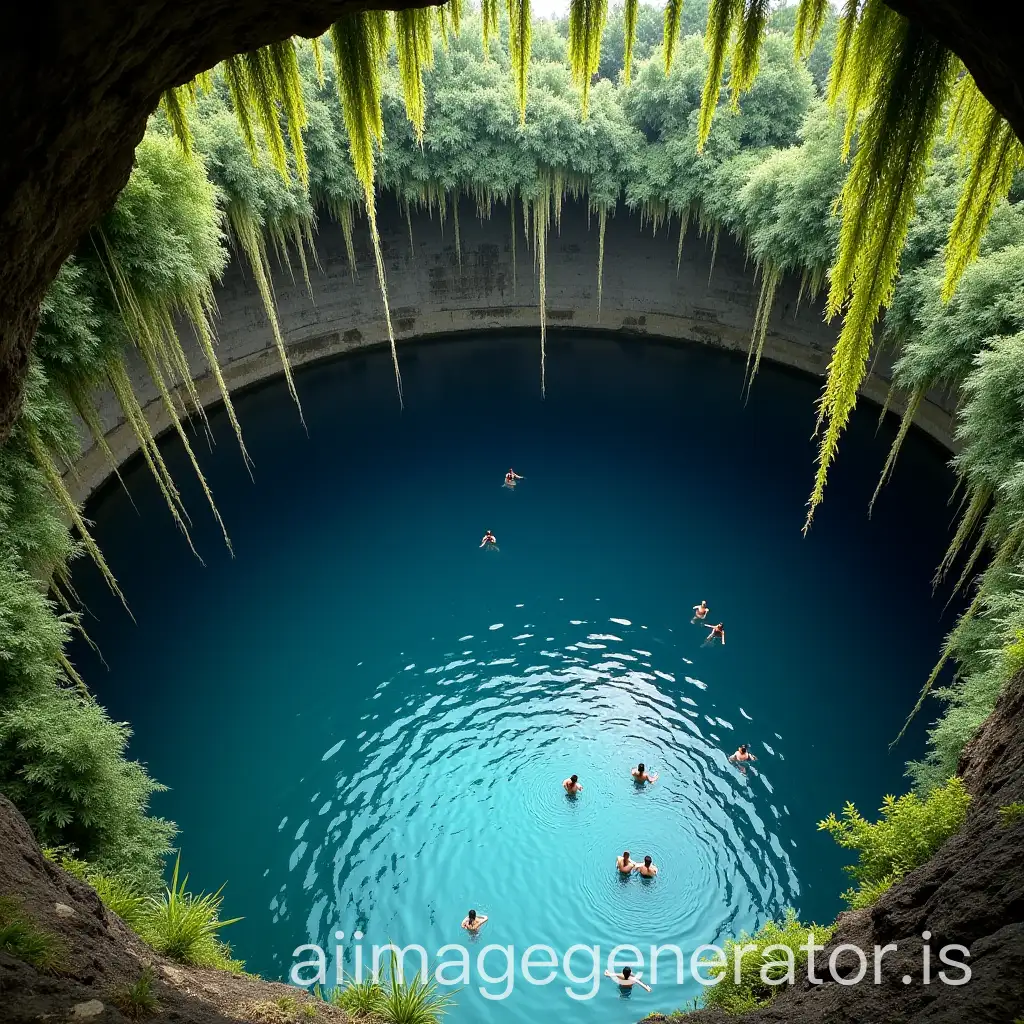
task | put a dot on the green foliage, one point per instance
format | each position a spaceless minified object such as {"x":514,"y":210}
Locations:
{"x":358,"y":998}
{"x":186,"y":927}
{"x":20,"y":938}
{"x":1012,"y":814}
{"x":909,"y":831}
{"x":894,"y":144}
{"x":62,"y":763}
{"x":586,"y":26}
{"x":396,"y":1000}
{"x":764,"y":969}
{"x":138,"y":1000}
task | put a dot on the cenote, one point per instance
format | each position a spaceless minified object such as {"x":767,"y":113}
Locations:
{"x":364,"y":719}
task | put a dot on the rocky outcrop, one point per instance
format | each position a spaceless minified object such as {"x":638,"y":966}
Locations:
{"x":99,"y":955}
{"x":971,"y":892}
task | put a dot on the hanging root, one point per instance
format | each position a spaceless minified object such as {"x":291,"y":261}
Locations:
{"x":161,"y":384}
{"x":359,"y":43}
{"x":602,"y":221}
{"x":586,"y":25}
{"x":70,"y":509}
{"x":247,"y":234}
{"x":979,"y":501}
{"x":765,"y":301}
{"x":201,"y":323}
{"x":906,"y":422}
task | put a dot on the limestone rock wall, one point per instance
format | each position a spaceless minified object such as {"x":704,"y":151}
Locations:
{"x":494,"y":286}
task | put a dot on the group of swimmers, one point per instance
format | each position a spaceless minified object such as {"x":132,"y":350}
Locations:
{"x":490,"y":542}
{"x":624,"y":864}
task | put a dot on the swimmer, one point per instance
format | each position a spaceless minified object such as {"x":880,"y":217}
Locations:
{"x":474,"y":922}
{"x":648,"y":869}
{"x":625,"y":865}
{"x":489,"y":540}
{"x":700,"y":611}
{"x":511,"y":477}
{"x":716,"y":633}
{"x":627,"y":979}
{"x":641,"y":774}
{"x":742,"y":755}
{"x":572,"y":785}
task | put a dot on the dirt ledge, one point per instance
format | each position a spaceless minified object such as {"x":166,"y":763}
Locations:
{"x":103,"y":954}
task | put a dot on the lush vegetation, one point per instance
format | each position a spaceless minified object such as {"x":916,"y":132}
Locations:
{"x":492,"y":121}
{"x":393,"y":1000}
{"x":909,"y":831}
{"x":20,"y":938}
{"x":764,"y":963}
{"x":181,"y":925}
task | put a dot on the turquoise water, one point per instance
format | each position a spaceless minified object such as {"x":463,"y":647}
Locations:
{"x":365,"y":720}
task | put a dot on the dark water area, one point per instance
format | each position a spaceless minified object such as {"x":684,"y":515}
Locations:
{"x":364,"y":720}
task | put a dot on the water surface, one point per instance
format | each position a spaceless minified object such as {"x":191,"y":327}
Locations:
{"x":365,"y":720}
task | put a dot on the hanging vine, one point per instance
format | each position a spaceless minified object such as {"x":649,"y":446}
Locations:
{"x":360,"y":43}
{"x":586,"y":26}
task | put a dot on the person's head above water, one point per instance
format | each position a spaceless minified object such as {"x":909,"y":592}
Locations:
{"x":647,"y":862}
{"x":472,"y":915}
{"x":743,"y":748}
{"x":574,"y":779}
{"x":640,"y":768}
{"x":625,"y":854}
{"x":627,"y":971}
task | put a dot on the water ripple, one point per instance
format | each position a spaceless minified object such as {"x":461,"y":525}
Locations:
{"x":450,"y":796}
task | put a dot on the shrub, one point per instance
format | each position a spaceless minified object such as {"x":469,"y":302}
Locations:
{"x":20,"y":938}
{"x":138,"y":999}
{"x":360,"y":999}
{"x":909,"y":831}
{"x":1011,"y":814}
{"x":185,"y":927}
{"x":397,"y":1001}
{"x":760,"y":967}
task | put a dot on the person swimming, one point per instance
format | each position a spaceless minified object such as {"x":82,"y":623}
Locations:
{"x":489,"y":541}
{"x":572,"y":785}
{"x":717,"y":632}
{"x":648,"y":869}
{"x":742,"y":755}
{"x":625,"y":865}
{"x":641,"y":774}
{"x":473,"y":922}
{"x":700,"y":611}
{"x":511,"y":477}
{"x":627,"y":979}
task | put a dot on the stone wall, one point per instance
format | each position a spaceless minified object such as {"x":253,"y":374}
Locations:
{"x":495,"y":288}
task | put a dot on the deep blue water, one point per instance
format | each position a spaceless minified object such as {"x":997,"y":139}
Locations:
{"x":365,"y":720}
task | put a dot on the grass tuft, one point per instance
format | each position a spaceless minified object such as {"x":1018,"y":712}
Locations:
{"x":20,"y":938}
{"x":138,"y":1000}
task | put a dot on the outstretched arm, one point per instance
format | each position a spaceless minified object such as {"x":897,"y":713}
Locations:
{"x":643,"y":985}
